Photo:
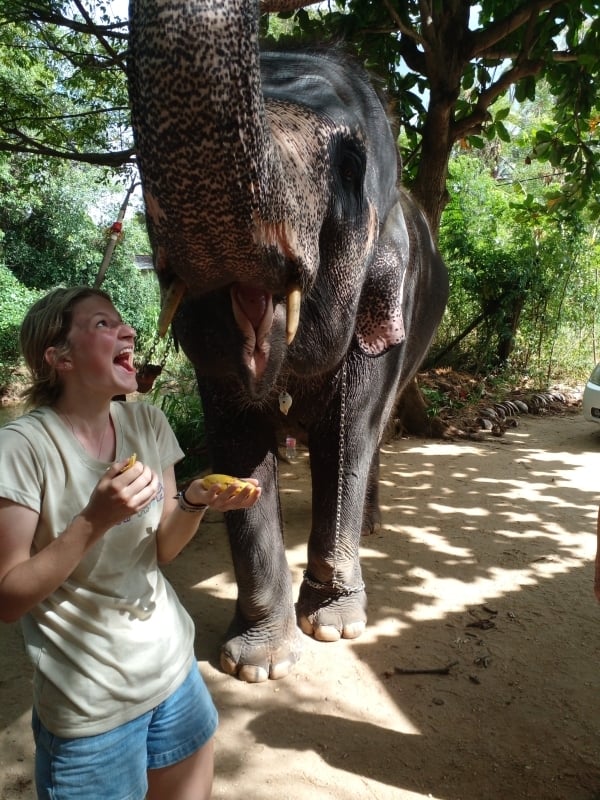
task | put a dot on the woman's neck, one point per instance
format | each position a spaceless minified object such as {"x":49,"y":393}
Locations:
{"x":93,"y":430}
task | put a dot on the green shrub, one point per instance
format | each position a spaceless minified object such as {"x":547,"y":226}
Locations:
{"x":15,"y":299}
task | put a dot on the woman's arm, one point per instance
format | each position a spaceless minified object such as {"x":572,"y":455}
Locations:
{"x":25,"y":579}
{"x":177,"y":526}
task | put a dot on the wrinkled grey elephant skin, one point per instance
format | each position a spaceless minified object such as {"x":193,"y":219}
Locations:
{"x":266,"y":176}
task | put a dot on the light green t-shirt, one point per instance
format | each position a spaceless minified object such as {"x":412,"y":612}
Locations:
{"x":113,"y":641}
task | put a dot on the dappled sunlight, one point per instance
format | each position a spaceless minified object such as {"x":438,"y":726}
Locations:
{"x":467,"y":512}
{"x":477,"y":675}
{"x":409,"y":448}
{"x":219,"y":585}
{"x":435,"y":540}
{"x":443,"y":513}
{"x":394,"y":476}
{"x":514,"y":490}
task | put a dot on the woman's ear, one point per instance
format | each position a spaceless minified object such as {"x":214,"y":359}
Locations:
{"x":53,"y":357}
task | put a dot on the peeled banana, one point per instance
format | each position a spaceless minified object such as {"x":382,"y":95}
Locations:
{"x":224,"y":481}
{"x":130,"y":462}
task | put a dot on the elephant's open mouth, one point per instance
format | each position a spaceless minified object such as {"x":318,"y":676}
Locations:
{"x":253,"y":312}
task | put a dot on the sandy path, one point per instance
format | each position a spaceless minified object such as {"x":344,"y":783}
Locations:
{"x":485,"y":559}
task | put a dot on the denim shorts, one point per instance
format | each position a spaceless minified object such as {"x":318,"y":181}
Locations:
{"x":113,"y":765}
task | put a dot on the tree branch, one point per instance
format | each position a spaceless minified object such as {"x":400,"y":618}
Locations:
{"x":114,"y":160}
{"x":274,"y":6}
{"x":406,"y":31}
{"x":37,"y":119}
{"x":482,"y":40}
{"x":415,"y":58}
{"x":99,"y":35}
{"x":35,"y":14}
{"x":87,"y":60}
{"x":474,"y":121}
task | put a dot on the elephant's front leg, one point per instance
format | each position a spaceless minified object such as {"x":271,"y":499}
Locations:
{"x":263,"y":640}
{"x":332,"y":602}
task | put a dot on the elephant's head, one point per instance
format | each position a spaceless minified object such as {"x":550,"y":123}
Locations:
{"x":266,"y":179}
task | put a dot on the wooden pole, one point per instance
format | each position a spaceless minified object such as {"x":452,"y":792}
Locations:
{"x":115,"y":232}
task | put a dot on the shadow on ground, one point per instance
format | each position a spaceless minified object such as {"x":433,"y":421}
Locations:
{"x":483,"y":567}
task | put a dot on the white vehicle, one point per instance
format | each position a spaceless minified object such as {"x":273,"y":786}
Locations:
{"x":591,"y":396}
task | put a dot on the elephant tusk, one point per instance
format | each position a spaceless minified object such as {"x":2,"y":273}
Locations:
{"x":293,"y":302}
{"x":170,"y":302}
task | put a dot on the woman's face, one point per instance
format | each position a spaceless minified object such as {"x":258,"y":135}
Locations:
{"x":101,"y":349}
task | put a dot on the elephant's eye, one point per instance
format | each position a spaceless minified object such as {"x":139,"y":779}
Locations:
{"x":348,"y":178}
{"x":351,"y":166}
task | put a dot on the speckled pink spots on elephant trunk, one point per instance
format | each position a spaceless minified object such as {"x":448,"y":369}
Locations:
{"x":253,"y":312}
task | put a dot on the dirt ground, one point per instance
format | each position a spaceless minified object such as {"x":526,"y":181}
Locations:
{"x":483,"y":569}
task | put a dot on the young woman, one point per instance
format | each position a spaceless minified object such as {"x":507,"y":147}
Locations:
{"x":120,"y":709}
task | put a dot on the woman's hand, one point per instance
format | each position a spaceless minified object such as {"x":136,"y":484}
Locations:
{"x":120,"y":493}
{"x":224,"y":498}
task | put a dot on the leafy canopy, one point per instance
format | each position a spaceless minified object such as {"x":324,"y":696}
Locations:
{"x":447,"y":63}
{"x":62,"y":81}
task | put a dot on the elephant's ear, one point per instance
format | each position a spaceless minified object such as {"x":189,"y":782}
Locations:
{"x":405,"y":245}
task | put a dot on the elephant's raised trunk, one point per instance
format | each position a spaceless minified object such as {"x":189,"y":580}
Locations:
{"x":196,"y":100}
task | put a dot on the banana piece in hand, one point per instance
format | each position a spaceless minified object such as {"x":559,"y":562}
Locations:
{"x":129,"y":464}
{"x":224,"y":481}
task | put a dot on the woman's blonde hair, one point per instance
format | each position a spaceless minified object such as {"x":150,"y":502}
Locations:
{"x":47,"y":324}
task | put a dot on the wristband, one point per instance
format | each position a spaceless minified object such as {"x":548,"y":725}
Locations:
{"x":185,"y":505}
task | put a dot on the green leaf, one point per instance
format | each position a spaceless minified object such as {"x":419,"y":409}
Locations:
{"x":501,"y":131}
{"x":476,"y":141}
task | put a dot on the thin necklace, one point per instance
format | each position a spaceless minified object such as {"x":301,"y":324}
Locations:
{"x":66,"y":416}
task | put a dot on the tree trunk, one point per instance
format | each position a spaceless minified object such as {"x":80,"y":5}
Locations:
{"x":430,"y":192}
{"x":429,"y":189}
{"x":410,"y":417}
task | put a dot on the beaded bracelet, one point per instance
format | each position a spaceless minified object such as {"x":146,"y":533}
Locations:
{"x":185,"y":505}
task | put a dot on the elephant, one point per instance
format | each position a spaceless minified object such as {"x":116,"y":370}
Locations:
{"x":293,"y":268}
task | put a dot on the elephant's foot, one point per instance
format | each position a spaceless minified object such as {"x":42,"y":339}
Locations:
{"x":331,"y":613}
{"x":254,"y":654}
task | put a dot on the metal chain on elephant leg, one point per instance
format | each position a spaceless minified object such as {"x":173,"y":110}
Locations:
{"x":338,"y":588}
{"x":340,"y":475}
